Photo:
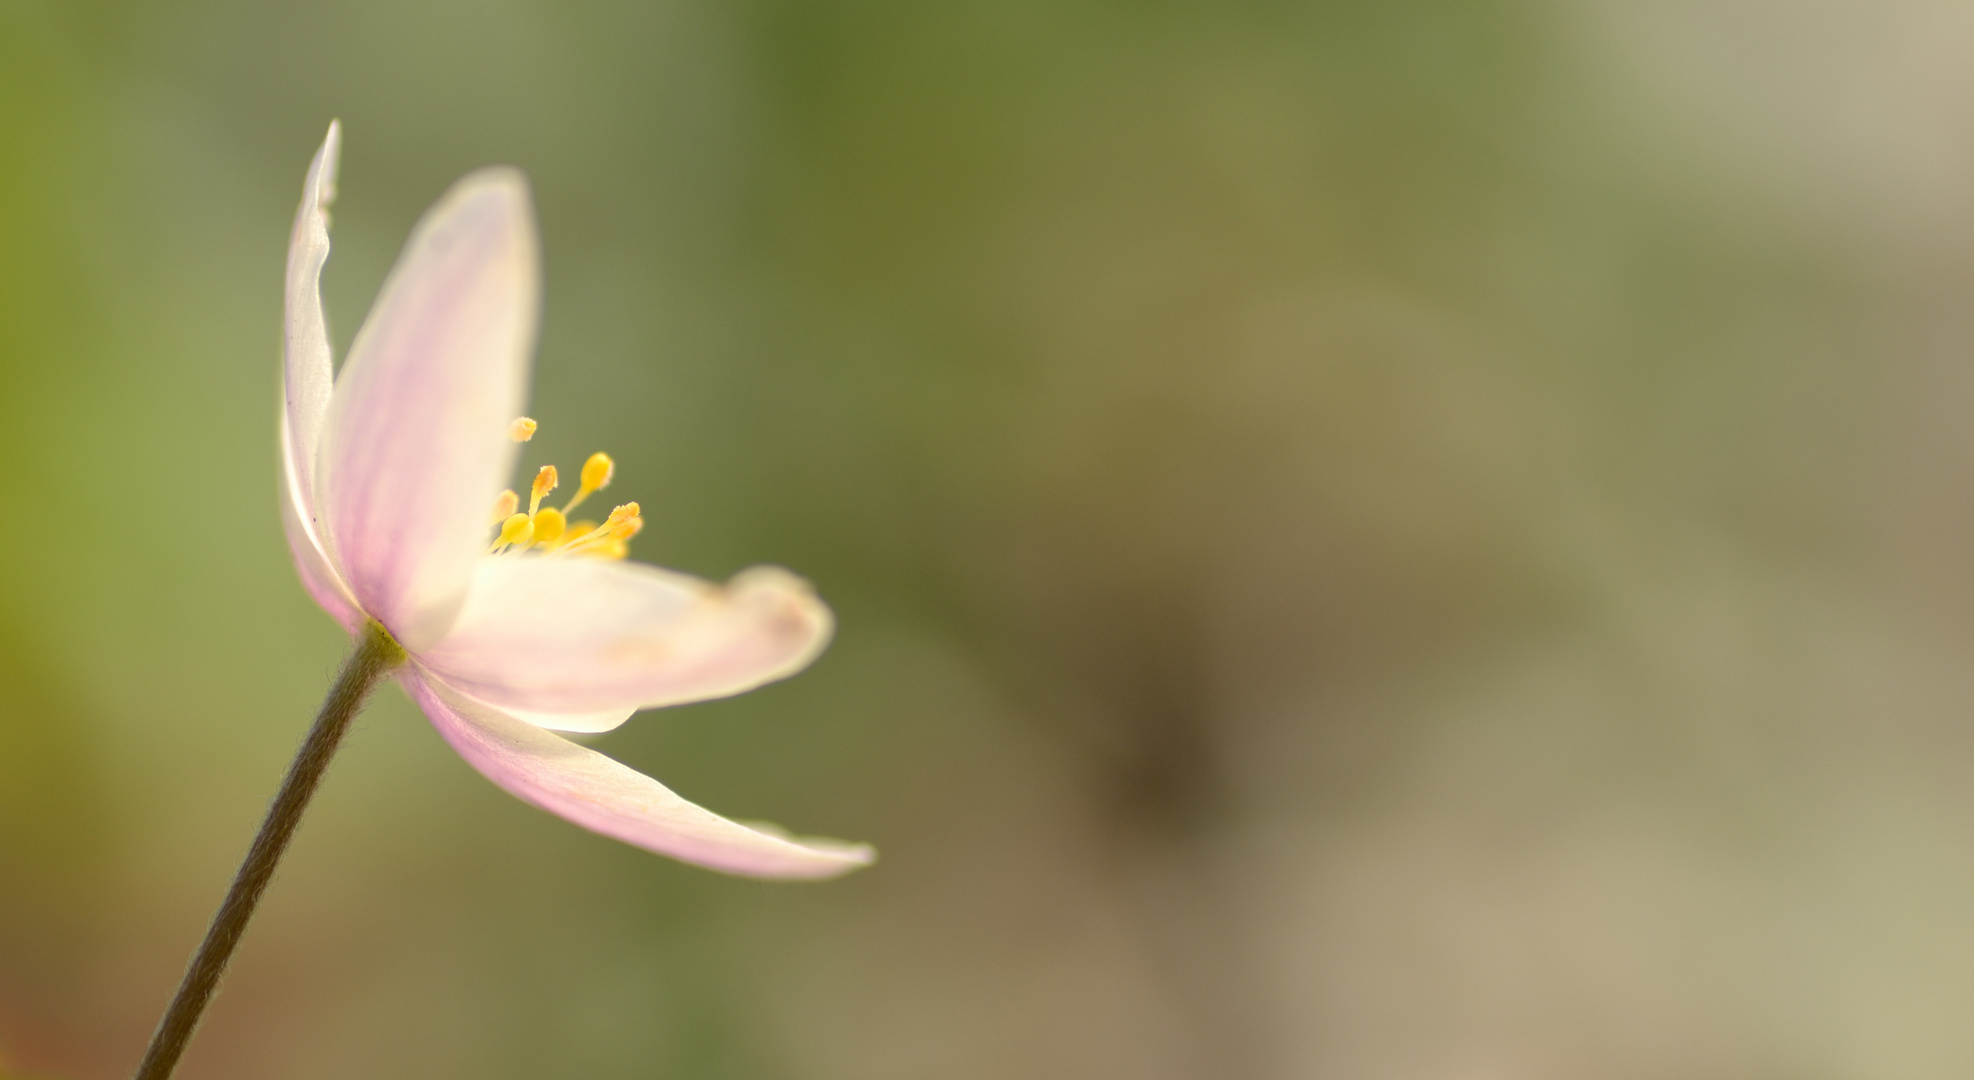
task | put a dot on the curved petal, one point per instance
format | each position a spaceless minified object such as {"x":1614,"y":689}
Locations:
{"x":305,"y":345}
{"x":607,"y":797}
{"x":576,"y":635}
{"x":318,"y":576}
{"x":416,"y":445}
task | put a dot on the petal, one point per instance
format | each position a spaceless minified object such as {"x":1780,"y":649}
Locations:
{"x":416,"y":445}
{"x":318,"y":576}
{"x":580,"y":723}
{"x":575,"y":635}
{"x":607,"y":797}
{"x":305,"y":348}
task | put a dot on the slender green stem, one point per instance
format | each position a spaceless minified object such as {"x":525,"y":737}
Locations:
{"x":373,"y":658}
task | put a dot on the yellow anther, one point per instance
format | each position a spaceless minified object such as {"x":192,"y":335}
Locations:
{"x":622,"y":524}
{"x":550,"y":525}
{"x":505,"y":505}
{"x":544,"y":483}
{"x":605,"y":541}
{"x":517,"y":529}
{"x":521,"y":430}
{"x":597,"y":472}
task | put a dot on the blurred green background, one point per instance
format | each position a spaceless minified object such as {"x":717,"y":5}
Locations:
{"x":1423,"y":539}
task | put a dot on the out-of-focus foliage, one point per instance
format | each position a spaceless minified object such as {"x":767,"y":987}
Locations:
{"x":1416,"y":538}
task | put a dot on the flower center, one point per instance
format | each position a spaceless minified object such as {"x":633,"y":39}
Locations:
{"x":549,"y":531}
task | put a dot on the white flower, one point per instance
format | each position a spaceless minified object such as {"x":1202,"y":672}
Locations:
{"x":518,"y":627}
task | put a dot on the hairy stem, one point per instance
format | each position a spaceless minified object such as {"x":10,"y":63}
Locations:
{"x":373,"y":658}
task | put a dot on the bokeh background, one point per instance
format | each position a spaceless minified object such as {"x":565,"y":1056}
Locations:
{"x":1411,"y":539}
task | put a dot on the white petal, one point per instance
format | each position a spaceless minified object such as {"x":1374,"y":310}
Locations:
{"x":416,"y":445}
{"x":576,"y":635}
{"x":581,"y":723}
{"x":318,"y":576}
{"x":305,"y":345}
{"x":607,"y":797}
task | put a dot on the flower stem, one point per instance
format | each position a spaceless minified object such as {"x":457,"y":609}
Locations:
{"x":374,"y":656}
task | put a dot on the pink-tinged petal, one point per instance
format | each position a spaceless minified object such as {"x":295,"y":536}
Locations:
{"x":607,"y":797}
{"x":551,"y":634}
{"x":416,"y":445}
{"x":318,"y":576}
{"x":305,"y":345}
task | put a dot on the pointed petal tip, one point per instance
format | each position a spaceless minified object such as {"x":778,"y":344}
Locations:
{"x":839,"y":857}
{"x":306,"y":378}
{"x":322,"y":180}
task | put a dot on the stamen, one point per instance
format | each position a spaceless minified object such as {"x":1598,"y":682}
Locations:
{"x":597,"y":473}
{"x":550,"y":525}
{"x":623,"y":523}
{"x":608,"y":539}
{"x":550,"y":530}
{"x":544,"y":483}
{"x":517,"y":529}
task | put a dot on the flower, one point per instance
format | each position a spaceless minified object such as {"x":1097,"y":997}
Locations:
{"x":516,"y":625}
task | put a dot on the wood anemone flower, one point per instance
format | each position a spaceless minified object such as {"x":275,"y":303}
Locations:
{"x":516,"y":625}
